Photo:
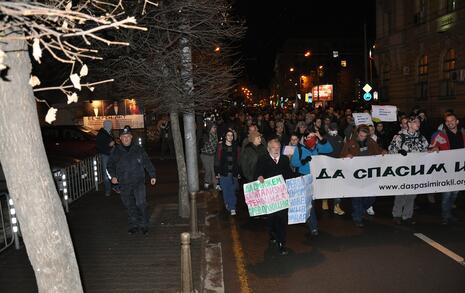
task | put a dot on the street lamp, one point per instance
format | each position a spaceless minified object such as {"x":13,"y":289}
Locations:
{"x":291,"y":69}
{"x":308,"y":54}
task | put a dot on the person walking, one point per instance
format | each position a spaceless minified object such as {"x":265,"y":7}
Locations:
{"x":250,"y":154}
{"x":337,"y":142}
{"x":227,"y":170}
{"x":127,"y":166}
{"x":270,"y":165}
{"x":207,"y":154}
{"x":313,"y":144}
{"x":361,"y":145}
{"x":407,"y":141}
{"x":451,"y":137}
{"x":105,"y":143}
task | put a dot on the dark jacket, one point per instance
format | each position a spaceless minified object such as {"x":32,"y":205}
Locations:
{"x":129,"y":166}
{"x":267,"y":168}
{"x":221,"y":163}
{"x":352,"y":147}
{"x":103,"y":140}
{"x":249,"y":158}
{"x":337,"y":142}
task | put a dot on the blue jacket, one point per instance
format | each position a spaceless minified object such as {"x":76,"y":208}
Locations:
{"x":304,"y":169}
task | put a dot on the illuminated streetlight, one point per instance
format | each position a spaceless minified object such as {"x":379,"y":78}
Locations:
{"x":217,"y":49}
{"x":308,"y":54}
{"x":291,"y":69}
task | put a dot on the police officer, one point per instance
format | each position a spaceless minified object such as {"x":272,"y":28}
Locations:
{"x":127,"y":166}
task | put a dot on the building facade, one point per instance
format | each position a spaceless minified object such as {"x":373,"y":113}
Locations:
{"x":302,"y":64}
{"x":420,"y":54}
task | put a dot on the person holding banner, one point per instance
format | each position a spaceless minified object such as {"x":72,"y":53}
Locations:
{"x":313,"y":144}
{"x":407,"y":141}
{"x":451,"y":137}
{"x":361,"y":145}
{"x":270,"y":165}
{"x":227,"y":168}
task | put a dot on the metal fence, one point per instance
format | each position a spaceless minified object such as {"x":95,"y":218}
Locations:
{"x":72,"y":183}
{"x":78,"y":179}
{"x":9,"y":227}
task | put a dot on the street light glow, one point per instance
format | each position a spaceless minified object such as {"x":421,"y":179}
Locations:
{"x":308,"y":54}
{"x":291,"y":69}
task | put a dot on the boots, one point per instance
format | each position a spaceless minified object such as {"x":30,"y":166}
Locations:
{"x":338,"y":211}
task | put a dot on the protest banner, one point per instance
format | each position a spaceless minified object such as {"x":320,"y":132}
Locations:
{"x":267,"y":197}
{"x":384,"y":113}
{"x":288,"y":150}
{"x":300,"y":199}
{"x":415,"y":173}
{"x":362,"y":118}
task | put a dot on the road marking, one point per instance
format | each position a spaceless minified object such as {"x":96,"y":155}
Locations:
{"x":441,"y":248}
{"x":239,"y":256}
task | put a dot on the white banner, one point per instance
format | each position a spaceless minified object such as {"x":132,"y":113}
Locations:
{"x":416,"y":173}
{"x":119,"y":121}
{"x":384,"y":113}
{"x":362,"y":118}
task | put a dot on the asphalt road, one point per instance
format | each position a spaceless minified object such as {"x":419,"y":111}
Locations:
{"x":381,"y":257}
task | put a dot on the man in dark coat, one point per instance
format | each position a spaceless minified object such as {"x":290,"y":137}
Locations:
{"x":127,"y":166}
{"x":105,"y":144}
{"x":269,"y":165}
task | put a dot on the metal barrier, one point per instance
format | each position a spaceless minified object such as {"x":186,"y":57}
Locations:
{"x":78,"y":179}
{"x":9,"y":227}
{"x":72,"y":182}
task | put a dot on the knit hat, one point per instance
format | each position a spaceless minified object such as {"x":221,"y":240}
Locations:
{"x":107,"y":125}
{"x":125,"y":130}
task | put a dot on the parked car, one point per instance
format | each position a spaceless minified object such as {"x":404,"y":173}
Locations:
{"x":75,"y":142}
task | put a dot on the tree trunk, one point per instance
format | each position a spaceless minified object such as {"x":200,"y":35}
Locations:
{"x":190,"y":135}
{"x":190,"y":140}
{"x":183,"y":200}
{"x":30,"y":183}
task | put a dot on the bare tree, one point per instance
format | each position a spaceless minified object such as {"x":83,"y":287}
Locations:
{"x":182,"y":65}
{"x":68,"y":34}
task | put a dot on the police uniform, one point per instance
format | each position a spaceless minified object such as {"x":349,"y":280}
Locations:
{"x":128,"y":164}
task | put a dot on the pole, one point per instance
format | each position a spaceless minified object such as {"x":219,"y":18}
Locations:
{"x":193,"y":222}
{"x":186,"y":265}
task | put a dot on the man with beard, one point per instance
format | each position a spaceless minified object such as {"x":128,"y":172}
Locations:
{"x":451,"y":137}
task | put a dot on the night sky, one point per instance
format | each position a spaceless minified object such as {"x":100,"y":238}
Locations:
{"x":270,"y":24}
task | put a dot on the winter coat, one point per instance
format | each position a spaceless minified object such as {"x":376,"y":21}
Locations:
{"x":267,"y":167}
{"x":298,"y":161}
{"x":129,"y":166}
{"x":441,"y":140}
{"x":337,"y":142}
{"x":221,"y":163}
{"x":249,"y":158}
{"x":410,"y":143}
{"x":103,"y":140}
{"x":352,"y":147}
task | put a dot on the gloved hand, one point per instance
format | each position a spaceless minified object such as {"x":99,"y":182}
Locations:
{"x":403,"y":152}
{"x":306,"y":160}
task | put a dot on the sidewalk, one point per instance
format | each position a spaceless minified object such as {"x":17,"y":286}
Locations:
{"x":110,"y":260}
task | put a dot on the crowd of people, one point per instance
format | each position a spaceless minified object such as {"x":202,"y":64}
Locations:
{"x":244,"y":147}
